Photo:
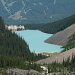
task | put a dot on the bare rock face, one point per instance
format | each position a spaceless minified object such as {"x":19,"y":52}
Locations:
{"x":61,"y":37}
{"x":59,"y":57}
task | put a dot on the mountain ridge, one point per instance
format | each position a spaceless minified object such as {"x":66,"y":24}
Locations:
{"x":62,"y":37}
{"x":28,"y":12}
{"x":53,"y":27}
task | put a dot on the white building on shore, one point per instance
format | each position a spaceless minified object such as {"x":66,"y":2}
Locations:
{"x":14,"y":27}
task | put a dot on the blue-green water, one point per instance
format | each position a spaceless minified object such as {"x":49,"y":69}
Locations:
{"x":35,"y":39}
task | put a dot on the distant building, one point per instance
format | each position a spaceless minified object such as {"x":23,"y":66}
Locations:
{"x":14,"y":27}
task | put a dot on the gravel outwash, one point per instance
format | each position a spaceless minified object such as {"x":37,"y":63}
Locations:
{"x":59,"y":57}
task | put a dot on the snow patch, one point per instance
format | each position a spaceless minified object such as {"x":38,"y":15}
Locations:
{"x":10,"y":4}
{"x":17,"y":16}
{"x":34,"y":4}
{"x":25,"y":12}
{"x":54,"y":1}
{"x":47,"y":8}
{"x":44,"y":12}
{"x":51,"y":16}
{"x":40,"y":3}
{"x":23,"y":3}
{"x":4,"y":4}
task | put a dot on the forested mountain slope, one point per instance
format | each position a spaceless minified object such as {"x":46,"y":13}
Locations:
{"x":62,"y":37}
{"x":57,"y":26}
{"x":11,"y":44}
{"x":53,"y":27}
{"x":13,"y":49}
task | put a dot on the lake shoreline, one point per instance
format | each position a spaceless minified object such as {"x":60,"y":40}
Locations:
{"x":35,"y":39}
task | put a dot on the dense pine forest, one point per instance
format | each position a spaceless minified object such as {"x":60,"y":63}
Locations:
{"x":54,"y":27}
{"x":14,"y":51}
{"x":11,"y":44}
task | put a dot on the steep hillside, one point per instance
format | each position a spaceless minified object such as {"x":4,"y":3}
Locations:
{"x":28,"y":12}
{"x":53,"y":27}
{"x":13,"y":49}
{"x":10,"y":42}
{"x":62,"y":37}
{"x":70,"y":44}
{"x":57,"y":26}
{"x":58,"y":58}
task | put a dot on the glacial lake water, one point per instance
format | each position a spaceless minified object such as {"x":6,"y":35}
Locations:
{"x":35,"y":39}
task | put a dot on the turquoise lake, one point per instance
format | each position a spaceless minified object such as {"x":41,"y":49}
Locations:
{"x":35,"y":39}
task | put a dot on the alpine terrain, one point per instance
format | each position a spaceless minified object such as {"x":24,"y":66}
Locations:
{"x":35,"y":11}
